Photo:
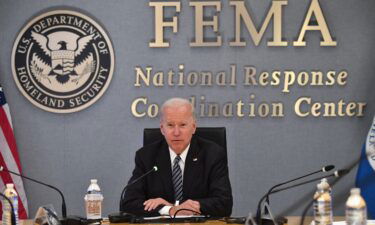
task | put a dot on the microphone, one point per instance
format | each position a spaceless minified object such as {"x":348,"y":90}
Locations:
{"x":349,"y":168}
{"x":328,"y":168}
{"x":13,"y":216}
{"x":154,"y":169}
{"x":124,"y":217}
{"x":65,"y":220}
{"x":324,"y":169}
{"x":337,"y":174}
{"x":258,"y":215}
{"x":63,"y":205}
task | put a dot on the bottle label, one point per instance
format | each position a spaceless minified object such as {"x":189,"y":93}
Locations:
{"x":93,"y":206}
{"x":7,"y":216}
{"x":356,"y":216}
{"x":94,"y":209}
{"x":323,"y":212}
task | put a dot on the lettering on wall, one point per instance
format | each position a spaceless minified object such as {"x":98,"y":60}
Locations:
{"x":314,"y":20}
{"x":207,"y":33}
{"x":285,"y":81}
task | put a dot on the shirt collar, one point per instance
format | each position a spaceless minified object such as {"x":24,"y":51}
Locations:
{"x":182,"y":155}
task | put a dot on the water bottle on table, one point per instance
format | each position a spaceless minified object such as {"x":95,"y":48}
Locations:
{"x":10,"y":193}
{"x":356,"y":211}
{"x":323,"y":204}
{"x":93,"y":201}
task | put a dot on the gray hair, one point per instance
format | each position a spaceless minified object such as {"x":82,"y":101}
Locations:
{"x":176,"y":102}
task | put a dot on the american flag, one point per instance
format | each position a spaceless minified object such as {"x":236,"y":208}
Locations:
{"x":9,"y":158}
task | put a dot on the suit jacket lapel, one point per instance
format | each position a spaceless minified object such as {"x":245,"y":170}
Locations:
{"x":191,"y":167}
{"x":164,"y":164}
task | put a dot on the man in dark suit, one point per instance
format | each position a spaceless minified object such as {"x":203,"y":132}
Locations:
{"x":192,"y":172}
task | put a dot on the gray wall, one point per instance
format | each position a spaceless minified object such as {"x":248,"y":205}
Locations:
{"x":100,"y":141}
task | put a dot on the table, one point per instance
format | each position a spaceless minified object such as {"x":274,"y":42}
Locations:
{"x":292,"y":220}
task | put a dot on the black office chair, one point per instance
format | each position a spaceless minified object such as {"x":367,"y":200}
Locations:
{"x":215,"y":134}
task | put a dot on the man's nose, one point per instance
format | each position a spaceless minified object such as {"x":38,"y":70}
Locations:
{"x":176,"y":131}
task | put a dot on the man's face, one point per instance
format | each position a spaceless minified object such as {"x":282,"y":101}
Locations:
{"x":178,"y":126}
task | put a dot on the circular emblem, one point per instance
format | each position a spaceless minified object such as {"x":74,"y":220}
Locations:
{"x":62,"y":61}
{"x":370,"y":145}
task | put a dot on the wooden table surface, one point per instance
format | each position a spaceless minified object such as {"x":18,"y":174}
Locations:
{"x":292,"y":220}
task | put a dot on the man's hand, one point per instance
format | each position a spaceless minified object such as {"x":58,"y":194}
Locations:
{"x":151,"y":204}
{"x":188,"y":204}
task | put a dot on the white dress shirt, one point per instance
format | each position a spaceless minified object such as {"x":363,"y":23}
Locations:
{"x":181,"y":163}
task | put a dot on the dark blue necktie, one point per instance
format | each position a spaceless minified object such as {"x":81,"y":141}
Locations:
{"x":177,"y":179}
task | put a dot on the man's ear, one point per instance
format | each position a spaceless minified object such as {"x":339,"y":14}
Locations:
{"x":161,"y":129}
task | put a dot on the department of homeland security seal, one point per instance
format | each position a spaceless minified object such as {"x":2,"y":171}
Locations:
{"x":62,"y":61}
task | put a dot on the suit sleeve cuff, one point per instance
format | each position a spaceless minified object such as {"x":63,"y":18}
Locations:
{"x":165,"y":210}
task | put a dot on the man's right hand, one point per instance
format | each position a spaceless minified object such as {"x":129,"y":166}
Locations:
{"x":151,"y":204}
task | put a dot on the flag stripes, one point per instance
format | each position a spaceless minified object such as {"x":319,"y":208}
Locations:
{"x":9,"y":158}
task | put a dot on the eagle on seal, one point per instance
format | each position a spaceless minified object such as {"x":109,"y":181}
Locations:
{"x":63,"y":60}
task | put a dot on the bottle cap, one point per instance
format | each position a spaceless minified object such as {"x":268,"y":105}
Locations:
{"x":355,"y":191}
{"x":324,"y":183}
{"x":10,"y":185}
{"x":94,"y":181}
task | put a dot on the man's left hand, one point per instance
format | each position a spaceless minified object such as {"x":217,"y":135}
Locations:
{"x":192,"y":208}
{"x":192,"y":205}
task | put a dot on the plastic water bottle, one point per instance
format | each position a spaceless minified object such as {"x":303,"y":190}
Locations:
{"x":10,"y":193}
{"x":356,"y":211}
{"x":323,"y":204}
{"x":93,"y":201}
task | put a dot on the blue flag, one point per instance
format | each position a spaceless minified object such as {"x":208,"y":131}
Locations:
{"x":366,"y":172}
